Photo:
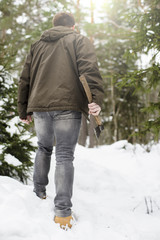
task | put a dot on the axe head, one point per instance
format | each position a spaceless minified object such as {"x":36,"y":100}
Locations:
{"x":98,"y":130}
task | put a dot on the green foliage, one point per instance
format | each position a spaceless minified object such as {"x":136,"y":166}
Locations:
{"x":115,"y":41}
{"x":130,"y":29}
{"x":22,"y":23}
{"x":11,"y":134}
{"x":146,"y":80}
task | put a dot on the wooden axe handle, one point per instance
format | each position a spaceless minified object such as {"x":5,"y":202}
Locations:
{"x":89,"y":96}
{"x":86,"y":88}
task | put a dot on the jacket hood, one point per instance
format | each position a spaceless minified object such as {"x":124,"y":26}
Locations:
{"x":56,"y":33}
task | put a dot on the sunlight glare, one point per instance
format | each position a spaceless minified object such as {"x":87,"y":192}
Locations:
{"x":97,"y":3}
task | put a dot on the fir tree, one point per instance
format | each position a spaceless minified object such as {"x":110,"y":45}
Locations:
{"x":115,"y":38}
{"x":12,"y":133}
{"x":145,"y":80}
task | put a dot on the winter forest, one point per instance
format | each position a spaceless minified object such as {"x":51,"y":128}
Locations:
{"x":126,"y":38}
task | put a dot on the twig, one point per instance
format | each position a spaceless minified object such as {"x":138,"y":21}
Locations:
{"x":151,"y":205}
{"x":123,"y":27}
{"x":137,"y":206}
{"x":156,"y":205}
{"x":145,"y":199}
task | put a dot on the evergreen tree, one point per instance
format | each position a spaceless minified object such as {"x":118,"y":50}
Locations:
{"x":12,"y":133}
{"x":115,"y":40}
{"x":146,"y":19}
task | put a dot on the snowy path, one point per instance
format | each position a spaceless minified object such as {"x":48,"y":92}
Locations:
{"x":110,"y":187}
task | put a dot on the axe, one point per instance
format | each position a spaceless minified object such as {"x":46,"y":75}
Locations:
{"x":100,"y":126}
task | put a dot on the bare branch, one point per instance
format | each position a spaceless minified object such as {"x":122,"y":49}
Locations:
{"x":145,"y":199}
{"x":140,"y":4}
{"x":123,"y":27}
{"x":156,"y":205}
{"x":151,"y":205}
{"x":137,"y":206}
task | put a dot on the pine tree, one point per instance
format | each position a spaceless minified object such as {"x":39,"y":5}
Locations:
{"x":114,"y":39}
{"x":145,"y":80}
{"x":12,"y":133}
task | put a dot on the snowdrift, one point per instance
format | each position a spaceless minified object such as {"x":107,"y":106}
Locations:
{"x":116,"y":197}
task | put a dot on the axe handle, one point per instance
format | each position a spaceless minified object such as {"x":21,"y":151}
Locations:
{"x":89,"y":96}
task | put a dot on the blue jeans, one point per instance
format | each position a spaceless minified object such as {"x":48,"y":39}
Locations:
{"x":61,"y":128}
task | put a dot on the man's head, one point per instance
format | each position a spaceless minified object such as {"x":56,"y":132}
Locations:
{"x":63,"y":19}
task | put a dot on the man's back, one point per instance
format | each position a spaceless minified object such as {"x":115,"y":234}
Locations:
{"x":55,"y":63}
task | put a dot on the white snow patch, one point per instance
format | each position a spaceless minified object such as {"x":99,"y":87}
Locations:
{"x":21,"y":19}
{"x":1,"y":148}
{"x":10,"y":159}
{"x":12,"y":128}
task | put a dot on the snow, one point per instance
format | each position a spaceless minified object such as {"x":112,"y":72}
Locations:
{"x":12,"y":160}
{"x":113,"y":186}
{"x":12,"y":128}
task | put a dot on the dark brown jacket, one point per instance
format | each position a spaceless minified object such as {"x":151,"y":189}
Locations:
{"x":50,"y":77}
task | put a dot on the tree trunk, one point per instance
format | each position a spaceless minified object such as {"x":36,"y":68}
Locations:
{"x":83,"y":132}
{"x":92,"y":140}
{"x":78,"y":16}
{"x":87,"y":129}
{"x":92,"y":122}
{"x":115,"y":134}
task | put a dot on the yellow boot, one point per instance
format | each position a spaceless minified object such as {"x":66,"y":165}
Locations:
{"x":65,"y":222}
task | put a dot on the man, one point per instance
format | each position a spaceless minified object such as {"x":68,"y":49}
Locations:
{"x":50,"y":89}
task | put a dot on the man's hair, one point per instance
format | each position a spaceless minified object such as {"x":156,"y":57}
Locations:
{"x":63,"y":19}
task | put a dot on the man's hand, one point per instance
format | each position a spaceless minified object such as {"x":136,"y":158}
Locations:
{"x":94,"y":109}
{"x":28,"y":120}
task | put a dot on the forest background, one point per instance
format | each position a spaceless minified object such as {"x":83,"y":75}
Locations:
{"x":126,"y":37}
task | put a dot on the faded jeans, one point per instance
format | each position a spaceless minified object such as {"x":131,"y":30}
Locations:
{"x":61,"y":128}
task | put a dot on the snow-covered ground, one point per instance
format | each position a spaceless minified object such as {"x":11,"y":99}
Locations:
{"x":113,"y":187}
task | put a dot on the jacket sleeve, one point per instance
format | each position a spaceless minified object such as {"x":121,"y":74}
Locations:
{"x":87,"y":65}
{"x":23,"y":87}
